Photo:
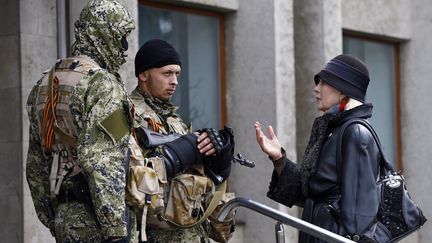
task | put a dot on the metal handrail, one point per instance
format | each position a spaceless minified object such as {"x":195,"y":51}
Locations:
{"x":281,"y":217}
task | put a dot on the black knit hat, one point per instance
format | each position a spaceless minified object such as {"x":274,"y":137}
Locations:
{"x":348,"y":74}
{"x":155,"y":54}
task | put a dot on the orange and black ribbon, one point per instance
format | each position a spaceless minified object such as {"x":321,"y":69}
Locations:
{"x":154,"y":125}
{"x":47,"y":131}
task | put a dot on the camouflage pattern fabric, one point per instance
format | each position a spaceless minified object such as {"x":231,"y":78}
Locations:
{"x":195,"y":234}
{"x":79,"y":226}
{"x":98,"y":31}
{"x":150,"y":111}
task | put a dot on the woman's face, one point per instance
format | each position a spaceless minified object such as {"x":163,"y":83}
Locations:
{"x":326,"y":96}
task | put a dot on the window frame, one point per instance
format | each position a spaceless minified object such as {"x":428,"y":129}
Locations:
{"x":395,"y":44}
{"x":220,"y":17}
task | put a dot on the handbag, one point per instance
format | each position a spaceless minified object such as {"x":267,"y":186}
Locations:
{"x":398,"y":215}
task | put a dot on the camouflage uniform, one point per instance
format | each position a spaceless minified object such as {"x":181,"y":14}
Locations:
{"x":98,"y":32}
{"x":161,"y":116}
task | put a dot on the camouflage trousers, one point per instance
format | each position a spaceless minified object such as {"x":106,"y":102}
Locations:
{"x":76,"y":222}
{"x":195,"y":234}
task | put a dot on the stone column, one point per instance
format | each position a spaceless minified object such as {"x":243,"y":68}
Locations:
{"x":10,"y":125}
{"x":415,"y":101}
{"x":38,"y":52}
{"x":286,"y":91}
{"x":318,"y":38}
{"x":260,"y":80}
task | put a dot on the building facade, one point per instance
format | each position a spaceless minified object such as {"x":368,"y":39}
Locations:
{"x":253,"y":60}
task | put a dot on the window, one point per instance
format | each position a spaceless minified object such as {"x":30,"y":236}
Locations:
{"x":198,"y":36}
{"x":382,"y":61}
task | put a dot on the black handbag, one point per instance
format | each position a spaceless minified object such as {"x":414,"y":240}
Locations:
{"x":398,"y":215}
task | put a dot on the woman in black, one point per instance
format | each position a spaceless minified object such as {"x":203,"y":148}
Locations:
{"x":337,"y":196}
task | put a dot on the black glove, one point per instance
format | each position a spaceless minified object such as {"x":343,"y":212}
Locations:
{"x":216,"y":138}
{"x":218,"y":165}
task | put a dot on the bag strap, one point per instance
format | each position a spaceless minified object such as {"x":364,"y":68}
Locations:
{"x":385,"y":166}
{"x":220,"y":190}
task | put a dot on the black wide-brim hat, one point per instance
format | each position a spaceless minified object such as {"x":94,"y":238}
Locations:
{"x":348,"y":74}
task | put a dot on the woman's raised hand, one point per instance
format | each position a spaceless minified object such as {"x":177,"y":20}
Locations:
{"x":269,"y":145}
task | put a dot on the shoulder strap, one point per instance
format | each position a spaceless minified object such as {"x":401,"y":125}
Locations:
{"x":385,"y":166}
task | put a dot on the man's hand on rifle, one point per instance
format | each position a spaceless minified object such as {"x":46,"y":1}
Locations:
{"x":205,"y":144}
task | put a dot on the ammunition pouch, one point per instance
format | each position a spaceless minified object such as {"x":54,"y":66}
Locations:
{"x":222,"y":231}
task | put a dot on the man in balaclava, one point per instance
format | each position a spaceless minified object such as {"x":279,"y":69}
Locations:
{"x":79,"y":129}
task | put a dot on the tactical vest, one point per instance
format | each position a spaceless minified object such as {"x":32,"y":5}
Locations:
{"x":184,"y":201}
{"x":58,"y":131}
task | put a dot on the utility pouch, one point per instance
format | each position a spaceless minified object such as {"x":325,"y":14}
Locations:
{"x":146,"y":185}
{"x":222,"y":231}
{"x":142,"y":185}
{"x":186,"y":202}
{"x":170,"y":205}
{"x":187,"y":192}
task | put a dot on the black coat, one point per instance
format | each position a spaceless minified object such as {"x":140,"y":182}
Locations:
{"x":346,"y":204}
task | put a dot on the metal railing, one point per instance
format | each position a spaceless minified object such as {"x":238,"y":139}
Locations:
{"x":282,"y":218}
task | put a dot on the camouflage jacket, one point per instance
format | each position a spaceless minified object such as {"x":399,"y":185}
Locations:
{"x":157,"y":115}
{"x":96,"y":97}
{"x":162,"y":117}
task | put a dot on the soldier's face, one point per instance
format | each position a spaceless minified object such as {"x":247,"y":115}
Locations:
{"x":161,"y":82}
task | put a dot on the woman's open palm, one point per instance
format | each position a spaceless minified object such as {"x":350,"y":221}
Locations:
{"x":269,"y":145}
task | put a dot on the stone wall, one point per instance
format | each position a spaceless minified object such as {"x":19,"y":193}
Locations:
{"x":272,"y":51}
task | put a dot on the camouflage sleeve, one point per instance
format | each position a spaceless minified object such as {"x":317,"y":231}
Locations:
{"x":37,"y":171}
{"x":102,"y":155}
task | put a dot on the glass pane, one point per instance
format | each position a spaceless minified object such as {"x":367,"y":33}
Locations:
{"x":381,"y":91}
{"x":196,"y":37}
